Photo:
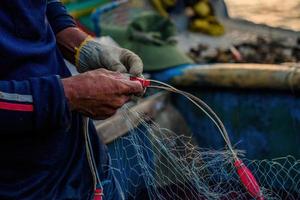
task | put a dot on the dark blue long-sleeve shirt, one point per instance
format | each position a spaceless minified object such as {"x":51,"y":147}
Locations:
{"x":42,"y":148}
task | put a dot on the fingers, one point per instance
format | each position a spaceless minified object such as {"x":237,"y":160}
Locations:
{"x":119,"y":102}
{"x":120,"y":83}
{"x":118,"y":67}
{"x":125,"y":86}
{"x":136,"y":70}
{"x":134,"y":87}
{"x":103,"y":111}
{"x":132,"y":62}
{"x":100,"y":93}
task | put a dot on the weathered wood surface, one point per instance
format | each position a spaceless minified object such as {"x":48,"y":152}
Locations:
{"x":116,"y":126}
{"x":250,"y":76}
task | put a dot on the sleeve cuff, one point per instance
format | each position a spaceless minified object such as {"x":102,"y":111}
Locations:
{"x":51,"y":106}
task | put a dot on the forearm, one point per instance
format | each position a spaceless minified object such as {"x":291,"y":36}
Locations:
{"x":64,"y":27}
{"x":68,"y":40}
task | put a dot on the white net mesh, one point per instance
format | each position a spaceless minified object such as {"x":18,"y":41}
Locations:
{"x":155,"y":163}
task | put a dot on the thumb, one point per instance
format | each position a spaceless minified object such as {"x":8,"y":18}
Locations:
{"x":132,"y":62}
{"x":118,"y":67}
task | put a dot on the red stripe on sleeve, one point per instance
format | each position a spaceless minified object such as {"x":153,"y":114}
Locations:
{"x":16,"y":107}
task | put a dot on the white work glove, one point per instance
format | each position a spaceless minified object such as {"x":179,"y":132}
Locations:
{"x":93,"y":55}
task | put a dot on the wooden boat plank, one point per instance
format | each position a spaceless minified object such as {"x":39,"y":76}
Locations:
{"x":116,"y":126}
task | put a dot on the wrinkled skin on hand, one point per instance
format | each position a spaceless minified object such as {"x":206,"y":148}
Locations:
{"x":99,"y":93}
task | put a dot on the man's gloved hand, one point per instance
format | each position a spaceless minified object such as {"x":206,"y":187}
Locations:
{"x":99,"y":93}
{"x":93,"y":55}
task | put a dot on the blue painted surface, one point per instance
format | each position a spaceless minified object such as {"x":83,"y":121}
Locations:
{"x":266,"y":124}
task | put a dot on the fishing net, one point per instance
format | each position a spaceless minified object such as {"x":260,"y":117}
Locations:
{"x":151,"y":162}
{"x":156,"y":163}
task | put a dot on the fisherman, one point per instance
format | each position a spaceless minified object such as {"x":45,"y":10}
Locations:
{"x":42,"y":144}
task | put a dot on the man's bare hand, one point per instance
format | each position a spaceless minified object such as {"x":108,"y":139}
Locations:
{"x":99,"y":93}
